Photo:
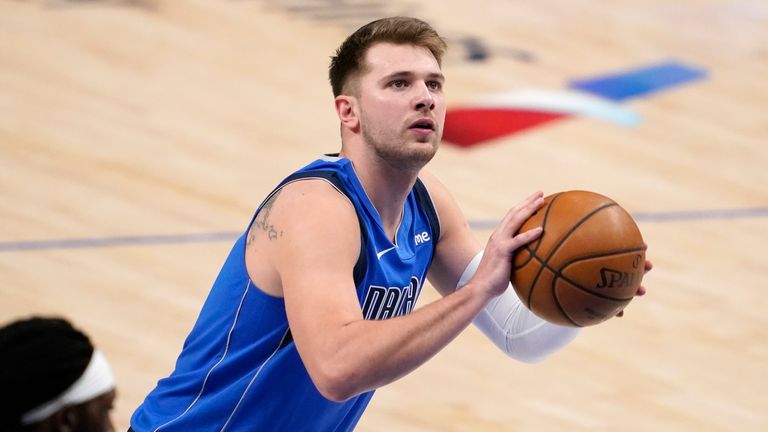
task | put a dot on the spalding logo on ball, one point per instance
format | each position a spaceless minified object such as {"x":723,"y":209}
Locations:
{"x":586,"y":266}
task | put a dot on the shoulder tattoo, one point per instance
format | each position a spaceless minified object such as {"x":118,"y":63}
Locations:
{"x":262,"y":222}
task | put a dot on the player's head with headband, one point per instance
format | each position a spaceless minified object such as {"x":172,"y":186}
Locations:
{"x":53,"y":379}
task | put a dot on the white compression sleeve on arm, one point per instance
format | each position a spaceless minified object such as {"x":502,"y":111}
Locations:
{"x":514,"y":328}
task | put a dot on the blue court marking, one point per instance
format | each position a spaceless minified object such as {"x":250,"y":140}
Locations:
{"x":639,"y":82}
{"x":222,"y":236}
{"x":744,"y":213}
{"x":104,"y":242}
{"x":673,"y":216}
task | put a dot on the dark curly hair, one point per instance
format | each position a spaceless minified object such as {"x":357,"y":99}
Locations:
{"x":39,"y":359}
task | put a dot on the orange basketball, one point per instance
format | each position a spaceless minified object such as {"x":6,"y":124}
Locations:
{"x":587,"y":264}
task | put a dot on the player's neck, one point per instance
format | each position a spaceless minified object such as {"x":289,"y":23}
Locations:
{"x":386,"y":187}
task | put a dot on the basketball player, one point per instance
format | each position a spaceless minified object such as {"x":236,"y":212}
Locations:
{"x":314,"y":308}
{"x":53,"y":379}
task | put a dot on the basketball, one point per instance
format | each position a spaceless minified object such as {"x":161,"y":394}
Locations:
{"x":587,"y":264}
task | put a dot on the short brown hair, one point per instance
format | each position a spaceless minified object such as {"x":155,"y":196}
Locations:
{"x":348,"y":60}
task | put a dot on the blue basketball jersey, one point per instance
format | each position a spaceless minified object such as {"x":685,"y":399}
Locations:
{"x":239,"y":369}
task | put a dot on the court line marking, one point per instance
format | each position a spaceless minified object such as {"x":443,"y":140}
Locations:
{"x":221,"y":236}
{"x":103,"y":242}
{"x":672,"y":216}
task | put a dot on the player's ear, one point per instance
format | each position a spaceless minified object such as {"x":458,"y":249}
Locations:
{"x":64,"y":420}
{"x":347,"y":110}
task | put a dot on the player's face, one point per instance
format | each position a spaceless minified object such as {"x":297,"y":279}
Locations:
{"x":402,"y":106}
{"x":94,"y":415}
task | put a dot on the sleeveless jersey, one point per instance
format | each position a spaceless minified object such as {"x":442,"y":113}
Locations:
{"x":239,"y":369}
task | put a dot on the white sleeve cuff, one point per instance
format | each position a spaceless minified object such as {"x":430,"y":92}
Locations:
{"x":514,"y":328}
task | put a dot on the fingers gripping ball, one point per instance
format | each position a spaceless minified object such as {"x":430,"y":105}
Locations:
{"x":586,"y":266}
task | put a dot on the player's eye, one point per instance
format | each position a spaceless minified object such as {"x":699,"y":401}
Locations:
{"x":398,"y":83}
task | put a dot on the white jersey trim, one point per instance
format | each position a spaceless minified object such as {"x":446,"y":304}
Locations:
{"x":254,"y":379}
{"x":226,"y":350}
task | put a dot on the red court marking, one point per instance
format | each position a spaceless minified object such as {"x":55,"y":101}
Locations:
{"x":466,"y":127}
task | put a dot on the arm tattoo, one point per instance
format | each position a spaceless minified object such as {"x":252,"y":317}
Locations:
{"x":262,"y":222}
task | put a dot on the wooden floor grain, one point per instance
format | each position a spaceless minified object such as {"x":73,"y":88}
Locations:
{"x":143,"y":134}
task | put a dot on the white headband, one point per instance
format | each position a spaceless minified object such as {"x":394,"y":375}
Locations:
{"x":95,"y":381}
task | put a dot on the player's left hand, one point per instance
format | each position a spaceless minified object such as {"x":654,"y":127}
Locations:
{"x":641,"y":289}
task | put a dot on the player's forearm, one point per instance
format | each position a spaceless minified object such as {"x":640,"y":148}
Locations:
{"x":513,"y":328}
{"x":369,"y":354}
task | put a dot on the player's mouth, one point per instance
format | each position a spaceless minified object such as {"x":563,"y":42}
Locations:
{"x":423,"y":126}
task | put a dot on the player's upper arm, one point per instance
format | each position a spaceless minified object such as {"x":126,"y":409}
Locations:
{"x":315,"y":257}
{"x":457,"y":244}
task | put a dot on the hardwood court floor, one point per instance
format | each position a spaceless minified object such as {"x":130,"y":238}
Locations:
{"x":150,"y":130}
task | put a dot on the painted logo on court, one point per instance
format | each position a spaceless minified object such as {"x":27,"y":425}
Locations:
{"x":500,"y":114}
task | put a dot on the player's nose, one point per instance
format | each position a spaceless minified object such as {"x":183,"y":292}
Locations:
{"x":423,"y":100}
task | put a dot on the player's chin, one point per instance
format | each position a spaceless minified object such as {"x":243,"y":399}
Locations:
{"x":418,"y":154}
{"x":425,"y":150}
{"x":431,"y":141}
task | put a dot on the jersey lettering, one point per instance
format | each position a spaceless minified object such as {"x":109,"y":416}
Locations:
{"x":382,"y":303}
{"x":422,"y":238}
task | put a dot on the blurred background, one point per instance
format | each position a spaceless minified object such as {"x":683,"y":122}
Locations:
{"x":138,"y":136}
